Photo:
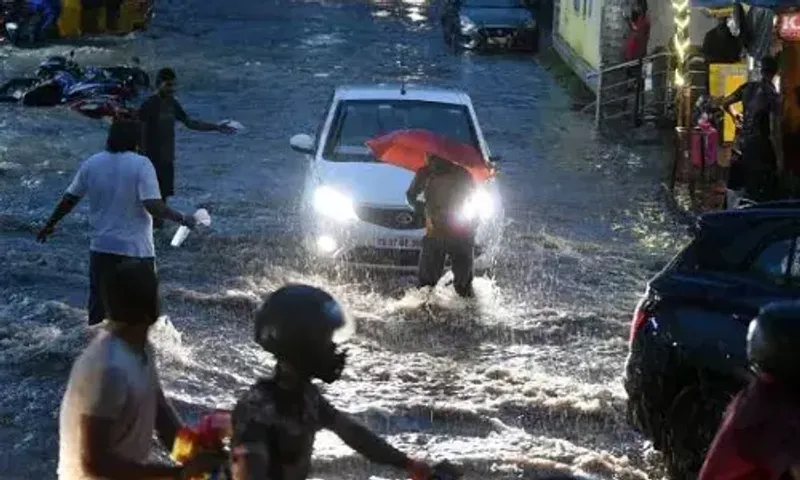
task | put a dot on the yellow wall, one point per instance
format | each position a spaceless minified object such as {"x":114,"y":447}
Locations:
{"x":580,"y":25}
{"x":69,"y":23}
{"x":724,"y":79}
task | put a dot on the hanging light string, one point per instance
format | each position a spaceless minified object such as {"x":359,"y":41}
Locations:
{"x":681,"y":40}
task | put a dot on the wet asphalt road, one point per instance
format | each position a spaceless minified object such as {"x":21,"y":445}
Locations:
{"x":525,"y":381}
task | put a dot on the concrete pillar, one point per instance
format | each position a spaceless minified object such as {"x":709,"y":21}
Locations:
{"x":615,"y":28}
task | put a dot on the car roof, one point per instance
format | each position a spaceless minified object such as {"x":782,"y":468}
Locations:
{"x":398,"y":91}
{"x":746,"y":217}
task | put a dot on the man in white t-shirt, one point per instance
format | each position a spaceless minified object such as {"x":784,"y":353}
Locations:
{"x":114,"y":401}
{"x":123,"y":199}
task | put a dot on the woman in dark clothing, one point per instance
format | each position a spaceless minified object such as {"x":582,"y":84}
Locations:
{"x":757,"y":147}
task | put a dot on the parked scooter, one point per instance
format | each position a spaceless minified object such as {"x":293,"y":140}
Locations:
{"x":96,"y":92}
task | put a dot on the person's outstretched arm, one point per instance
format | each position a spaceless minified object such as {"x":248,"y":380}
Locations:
{"x":734,"y":97}
{"x":198,"y":125}
{"x":71,"y":198}
{"x":370,"y":445}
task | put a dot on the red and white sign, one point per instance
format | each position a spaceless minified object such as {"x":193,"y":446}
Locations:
{"x":789,"y":26}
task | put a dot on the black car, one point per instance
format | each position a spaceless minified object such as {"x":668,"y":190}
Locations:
{"x":480,"y":24}
{"x":688,"y":336}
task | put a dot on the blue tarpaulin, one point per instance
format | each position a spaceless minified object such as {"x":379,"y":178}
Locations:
{"x":752,"y":3}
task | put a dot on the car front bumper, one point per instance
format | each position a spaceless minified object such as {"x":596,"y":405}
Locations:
{"x":499,"y":37}
{"x":366,"y":245}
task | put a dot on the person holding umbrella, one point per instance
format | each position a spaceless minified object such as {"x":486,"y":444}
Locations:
{"x":446,"y":188}
{"x":447,"y":173}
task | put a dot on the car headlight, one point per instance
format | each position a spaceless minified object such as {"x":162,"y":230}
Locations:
{"x":480,"y":205}
{"x":334,"y":204}
{"x":466,"y":24}
{"x":11,"y":26}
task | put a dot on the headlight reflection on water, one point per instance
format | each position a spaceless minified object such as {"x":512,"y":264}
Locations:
{"x":334,"y":204}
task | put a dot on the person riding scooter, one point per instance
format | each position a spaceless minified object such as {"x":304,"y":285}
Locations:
{"x":760,"y":433}
{"x":446,"y":188}
{"x":276,"y":420}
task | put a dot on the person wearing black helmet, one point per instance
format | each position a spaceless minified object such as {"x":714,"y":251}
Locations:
{"x":276,"y":420}
{"x":760,"y":433}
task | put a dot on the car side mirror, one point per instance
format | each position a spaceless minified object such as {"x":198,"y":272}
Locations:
{"x":302,"y":143}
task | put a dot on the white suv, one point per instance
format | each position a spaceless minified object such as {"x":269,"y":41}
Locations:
{"x":354,"y":207}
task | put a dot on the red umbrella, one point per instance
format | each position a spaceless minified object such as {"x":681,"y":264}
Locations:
{"x":408,"y":148}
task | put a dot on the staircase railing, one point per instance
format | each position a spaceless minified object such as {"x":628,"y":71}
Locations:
{"x":640,"y":89}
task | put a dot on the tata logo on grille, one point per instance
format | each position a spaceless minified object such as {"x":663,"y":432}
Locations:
{"x":404,"y":218}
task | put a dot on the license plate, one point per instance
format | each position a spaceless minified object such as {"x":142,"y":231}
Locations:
{"x":401,"y":243}
{"x":500,"y":40}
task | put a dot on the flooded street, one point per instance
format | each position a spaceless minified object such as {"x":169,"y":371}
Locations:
{"x":526,"y":381}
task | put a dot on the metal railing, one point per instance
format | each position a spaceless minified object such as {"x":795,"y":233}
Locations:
{"x":638,"y":89}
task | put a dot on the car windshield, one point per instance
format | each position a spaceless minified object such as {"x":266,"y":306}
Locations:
{"x":360,"y":120}
{"x":491,"y":3}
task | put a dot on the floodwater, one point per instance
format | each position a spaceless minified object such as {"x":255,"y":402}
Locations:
{"x":525,"y":381}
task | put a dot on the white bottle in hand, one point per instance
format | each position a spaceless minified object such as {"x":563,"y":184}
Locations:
{"x":202,"y":217}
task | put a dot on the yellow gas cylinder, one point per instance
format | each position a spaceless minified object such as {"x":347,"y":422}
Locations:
{"x":69,"y":22}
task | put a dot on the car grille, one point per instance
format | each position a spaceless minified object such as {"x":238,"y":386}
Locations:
{"x":374,"y":256}
{"x":498,"y":32}
{"x":394,"y":218}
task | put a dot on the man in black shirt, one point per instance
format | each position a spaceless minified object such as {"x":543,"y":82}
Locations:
{"x":757,"y":148}
{"x":158,"y":115}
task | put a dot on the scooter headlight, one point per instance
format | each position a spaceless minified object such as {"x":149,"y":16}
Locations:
{"x":334,"y":204}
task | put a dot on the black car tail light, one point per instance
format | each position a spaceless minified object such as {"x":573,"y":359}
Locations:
{"x":640,"y":315}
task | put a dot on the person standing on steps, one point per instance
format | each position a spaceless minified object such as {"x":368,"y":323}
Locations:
{"x":158,"y":115}
{"x":757,"y":149}
{"x":123,"y":199}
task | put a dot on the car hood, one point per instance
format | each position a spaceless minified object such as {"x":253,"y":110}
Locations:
{"x":373,"y":183}
{"x":498,"y":16}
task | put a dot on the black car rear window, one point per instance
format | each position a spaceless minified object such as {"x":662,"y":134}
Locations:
{"x":709,"y":253}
